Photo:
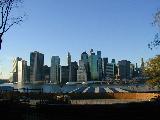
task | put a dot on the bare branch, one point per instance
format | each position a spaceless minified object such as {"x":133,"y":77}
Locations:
{"x":6,"y":7}
{"x":15,"y":22}
{"x":2,"y":18}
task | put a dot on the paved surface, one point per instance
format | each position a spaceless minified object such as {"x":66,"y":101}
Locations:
{"x":105,"y":101}
{"x":92,"y":89}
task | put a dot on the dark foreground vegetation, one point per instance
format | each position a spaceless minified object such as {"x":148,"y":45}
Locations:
{"x":12,"y":110}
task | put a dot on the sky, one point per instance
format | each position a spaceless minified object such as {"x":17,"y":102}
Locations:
{"x":121,"y":29}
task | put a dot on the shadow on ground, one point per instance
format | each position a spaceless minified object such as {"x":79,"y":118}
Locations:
{"x":10,"y":110}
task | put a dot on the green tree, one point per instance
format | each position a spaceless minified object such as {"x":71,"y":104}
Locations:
{"x":156,"y":23}
{"x":152,"y":70}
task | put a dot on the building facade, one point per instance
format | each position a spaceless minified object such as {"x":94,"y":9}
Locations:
{"x":99,"y":65}
{"x":93,"y":65}
{"x":46,"y":74}
{"x":55,"y":70}
{"x":22,"y":71}
{"x":104,"y":64}
{"x":124,"y":69}
{"x":81,"y":72}
{"x":84,"y":58}
{"x":36,"y":67}
{"x":64,"y":74}
{"x":74,"y":68}
{"x":109,"y":70}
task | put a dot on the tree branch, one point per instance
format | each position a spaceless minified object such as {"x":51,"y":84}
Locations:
{"x":6,"y":17}
{"x":16,"y":22}
{"x":2,"y":18}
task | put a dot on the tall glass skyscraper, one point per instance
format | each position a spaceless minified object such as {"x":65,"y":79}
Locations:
{"x":93,"y":65}
{"x":99,"y":65}
{"x":84,"y":58}
{"x":55,"y":70}
{"x":36,"y":67}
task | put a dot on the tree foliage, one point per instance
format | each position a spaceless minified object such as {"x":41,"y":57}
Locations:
{"x":156,"y":23}
{"x":7,"y":17}
{"x":152,"y":70}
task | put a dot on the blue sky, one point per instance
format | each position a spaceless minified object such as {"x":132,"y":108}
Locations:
{"x":121,"y":29}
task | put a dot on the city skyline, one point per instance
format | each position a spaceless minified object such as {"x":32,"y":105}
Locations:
{"x":120,"y":29}
{"x":95,"y":63}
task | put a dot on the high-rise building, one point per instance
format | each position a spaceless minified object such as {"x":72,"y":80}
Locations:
{"x":46,"y":74}
{"x":69,"y":66}
{"x":81,"y":72}
{"x":132,"y":71}
{"x":124,"y":69}
{"x":142,"y":68}
{"x":64,"y":74}
{"x":22,"y":71}
{"x":36,"y":67}
{"x":74,"y":68}
{"x":84,"y":58}
{"x":14,"y":77}
{"x":28,"y":74}
{"x":55,"y":70}
{"x":19,"y":70}
{"x":110,"y":70}
{"x":104,"y":64}
{"x":99,"y":65}
{"x":93,"y":65}
{"x":113,"y":61}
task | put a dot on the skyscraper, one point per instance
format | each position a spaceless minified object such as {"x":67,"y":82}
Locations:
{"x":99,"y":65}
{"x":36,"y":67}
{"x":74,"y":68}
{"x":14,"y":77}
{"x":104,"y":64}
{"x":110,"y":70}
{"x":81,"y":72}
{"x":84,"y":58}
{"x":93,"y":65}
{"x":46,"y":73}
{"x":69,"y":66}
{"x":64,"y":74}
{"x":55,"y":70}
{"x":124,"y":69}
{"x":22,"y":71}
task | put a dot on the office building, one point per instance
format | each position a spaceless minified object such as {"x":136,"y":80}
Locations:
{"x":64,"y":74}
{"x":104,"y":64}
{"x":36,"y":67}
{"x":124,"y":69}
{"x":99,"y":65}
{"x":84,"y":58}
{"x":74,"y":68}
{"x":14,"y":76}
{"x":109,"y":70}
{"x":22,"y":71}
{"x":46,"y":74}
{"x":69,"y":67}
{"x":93,"y":65}
{"x":81,"y":72}
{"x":55,"y":70}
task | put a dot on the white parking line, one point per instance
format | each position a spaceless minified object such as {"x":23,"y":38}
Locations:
{"x":74,"y":90}
{"x":97,"y":90}
{"x":120,"y":90}
{"x":108,"y":90}
{"x":86,"y":89}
